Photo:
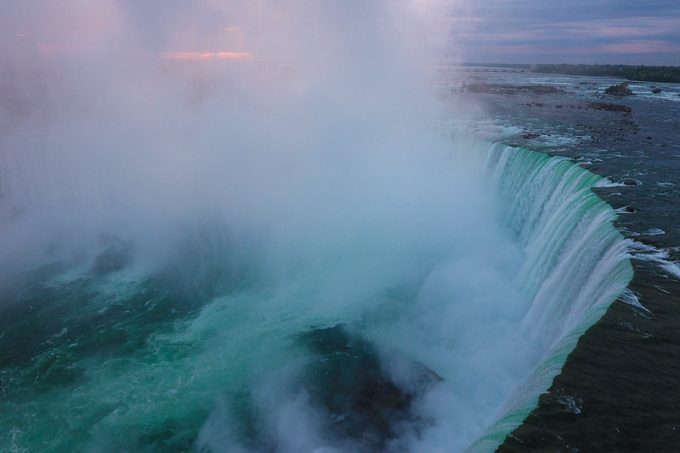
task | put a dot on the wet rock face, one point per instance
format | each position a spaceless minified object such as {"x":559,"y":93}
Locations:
{"x":349,"y":383}
{"x":621,"y":89}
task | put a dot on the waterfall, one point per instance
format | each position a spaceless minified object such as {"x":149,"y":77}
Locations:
{"x":576,"y":263}
{"x":481,"y":287}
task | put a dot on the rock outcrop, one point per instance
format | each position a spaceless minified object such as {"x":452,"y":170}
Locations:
{"x":621,"y":89}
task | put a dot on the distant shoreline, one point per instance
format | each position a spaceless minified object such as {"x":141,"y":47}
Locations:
{"x":640,"y":73}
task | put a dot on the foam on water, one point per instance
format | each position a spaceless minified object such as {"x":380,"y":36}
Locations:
{"x":645,"y":252}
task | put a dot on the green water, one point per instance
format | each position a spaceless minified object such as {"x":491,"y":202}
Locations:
{"x":227,"y":354}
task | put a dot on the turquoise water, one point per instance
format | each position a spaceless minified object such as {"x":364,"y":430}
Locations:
{"x":576,"y":264}
{"x":421,"y":323}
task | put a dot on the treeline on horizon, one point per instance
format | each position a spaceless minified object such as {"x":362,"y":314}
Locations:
{"x":667,"y":74}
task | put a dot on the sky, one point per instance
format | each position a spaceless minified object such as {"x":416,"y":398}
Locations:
{"x":479,"y":31}
{"x":568,"y":31}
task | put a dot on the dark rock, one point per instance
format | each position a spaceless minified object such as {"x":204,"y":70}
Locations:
{"x":540,"y":89}
{"x":656,"y":90}
{"x":619,"y":90}
{"x":348,"y":380}
{"x":610,"y":107}
{"x":530,"y":135}
{"x":483,"y":87}
{"x":631,"y":182}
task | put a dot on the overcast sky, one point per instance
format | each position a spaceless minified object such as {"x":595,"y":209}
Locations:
{"x":483,"y":31}
{"x":569,"y":31}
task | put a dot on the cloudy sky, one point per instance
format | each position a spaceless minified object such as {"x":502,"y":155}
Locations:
{"x":569,"y":31}
{"x":482,"y":31}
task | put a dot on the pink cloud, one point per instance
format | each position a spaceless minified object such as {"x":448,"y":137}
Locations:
{"x":640,"y":47}
{"x":51,"y":50}
{"x":205,"y":56}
